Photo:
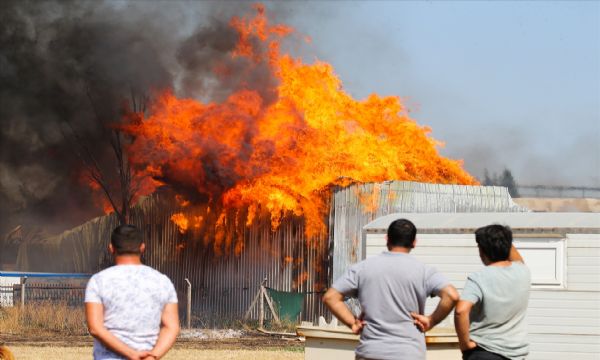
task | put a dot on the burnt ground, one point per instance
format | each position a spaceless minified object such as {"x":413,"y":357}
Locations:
{"x":249,"y":341}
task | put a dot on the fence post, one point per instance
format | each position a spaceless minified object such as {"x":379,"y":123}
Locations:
{"x":23,"y":280}
{"x":188,"y":314}
{"x":261,"y":309}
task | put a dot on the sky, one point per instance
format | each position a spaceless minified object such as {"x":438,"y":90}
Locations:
{"x":503,"y":84}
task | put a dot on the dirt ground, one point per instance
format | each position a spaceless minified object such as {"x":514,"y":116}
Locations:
{"x":77,"y":353}
{"x":250,"y":346}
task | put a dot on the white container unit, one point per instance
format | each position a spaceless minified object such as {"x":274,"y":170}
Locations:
{"x":325,"y":342}
{"x":562,"y":251}
{"x":6,"y":290}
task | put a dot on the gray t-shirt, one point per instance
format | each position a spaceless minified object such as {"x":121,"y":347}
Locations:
{"x":500,"y":296}
{"x":389,"y":287}
{"x":134,"y":297}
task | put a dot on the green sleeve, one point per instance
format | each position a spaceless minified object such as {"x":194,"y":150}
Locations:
{"x":472,"y":292}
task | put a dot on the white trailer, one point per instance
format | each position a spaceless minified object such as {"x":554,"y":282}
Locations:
{"x":561,"y":249}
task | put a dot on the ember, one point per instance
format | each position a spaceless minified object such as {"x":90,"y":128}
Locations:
{"x":283,"y":154}
{"x":181,"y":221}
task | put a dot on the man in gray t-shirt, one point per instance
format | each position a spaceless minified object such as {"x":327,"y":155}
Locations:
{"x":392,"y":289}
{"x":131,"y":309}
{"x":490,"y":316}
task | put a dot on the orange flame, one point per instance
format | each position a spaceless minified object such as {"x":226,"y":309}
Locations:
{"x":183,"y":202}
{"x":100,"y":200}
{"x":300,"y":279}
{"x":181,"y":221}
{"x":142,"y":183}
{"x":284,"y":153}
{"x":198,"y":221}
{"x":369,"y":201}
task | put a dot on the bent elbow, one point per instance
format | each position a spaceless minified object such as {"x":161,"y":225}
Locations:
{"x":93,"y":330}
{"x":172,"y":327}
{"x":332,"y":298}
{"x":458,"y":312}
{"x":454,"y":296}
{"x":327,"y":297}
{"x":451,"y":294}
{"x":461,"y":309}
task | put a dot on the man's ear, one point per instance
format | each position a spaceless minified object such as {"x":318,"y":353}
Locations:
{"x":414,"y":243}
{"x":142,"y":248}
{"x":111,"y":249}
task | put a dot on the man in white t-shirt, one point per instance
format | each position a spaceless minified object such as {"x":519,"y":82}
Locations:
{"x":131,"y":309}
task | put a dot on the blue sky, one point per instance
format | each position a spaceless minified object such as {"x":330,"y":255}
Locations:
{"x":503,"y":84}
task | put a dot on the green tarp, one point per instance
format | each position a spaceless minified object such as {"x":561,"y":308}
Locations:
{"x":288,"y":304}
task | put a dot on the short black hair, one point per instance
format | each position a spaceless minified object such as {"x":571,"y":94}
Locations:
{"x":494,"y":241}
{"x":126,"y":239}
{"x":402,"y":232}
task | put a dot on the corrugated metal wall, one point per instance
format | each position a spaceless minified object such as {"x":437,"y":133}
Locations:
{"x":227,"y":263}
{"x":79,"y":250}
{"x":224,"y":283}
{"x":225,"y":280}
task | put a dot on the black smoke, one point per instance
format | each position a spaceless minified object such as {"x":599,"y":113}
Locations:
{"x":71,"y":67}
{"x":64,"y":67}
{"x":209,"y":48}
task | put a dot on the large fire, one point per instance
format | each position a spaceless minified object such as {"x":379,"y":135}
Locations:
{"x":283,"y":152}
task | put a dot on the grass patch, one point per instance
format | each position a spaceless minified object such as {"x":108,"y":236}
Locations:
{"x":237,"y":324}
{"x":43,"y":319}
{"x":284,"y":326}
{"x":47,"y":318}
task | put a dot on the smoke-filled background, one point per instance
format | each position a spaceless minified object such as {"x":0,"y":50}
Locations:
{"x":69,"y":70}
{"x":503,"y":85}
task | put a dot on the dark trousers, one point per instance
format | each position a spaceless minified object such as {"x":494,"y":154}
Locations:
{"x":481,"y":354}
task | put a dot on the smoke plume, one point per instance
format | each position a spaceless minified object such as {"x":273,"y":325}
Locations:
{"x":71,"y":67}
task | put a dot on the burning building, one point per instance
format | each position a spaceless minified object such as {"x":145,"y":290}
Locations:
{"x":264,"y":167}
{"x":224,"y":277}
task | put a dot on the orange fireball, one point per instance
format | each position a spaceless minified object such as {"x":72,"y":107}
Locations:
{"x":283,"y":154}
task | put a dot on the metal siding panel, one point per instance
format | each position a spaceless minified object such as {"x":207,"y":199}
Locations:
{"x":350,"y":216}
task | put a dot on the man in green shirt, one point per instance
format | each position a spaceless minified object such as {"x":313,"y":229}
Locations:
{"x":490,"y":316}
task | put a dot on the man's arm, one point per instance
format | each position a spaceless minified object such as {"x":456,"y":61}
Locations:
{"x":448,"y":298}
{"x":169,"y":329}
{"x":515,"y":255}
{"x":94,"y":313}
{"x":334,"y":300}
{"x":462,"y":323}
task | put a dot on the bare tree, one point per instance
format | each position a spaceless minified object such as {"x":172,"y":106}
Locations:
{"x":120,"y":188}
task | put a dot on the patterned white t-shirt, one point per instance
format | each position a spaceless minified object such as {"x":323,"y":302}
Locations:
{"x":134,"y":297}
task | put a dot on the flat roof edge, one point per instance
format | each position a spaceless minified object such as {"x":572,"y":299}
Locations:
{"x":461,"y":222}
{"x":516,"y":231}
